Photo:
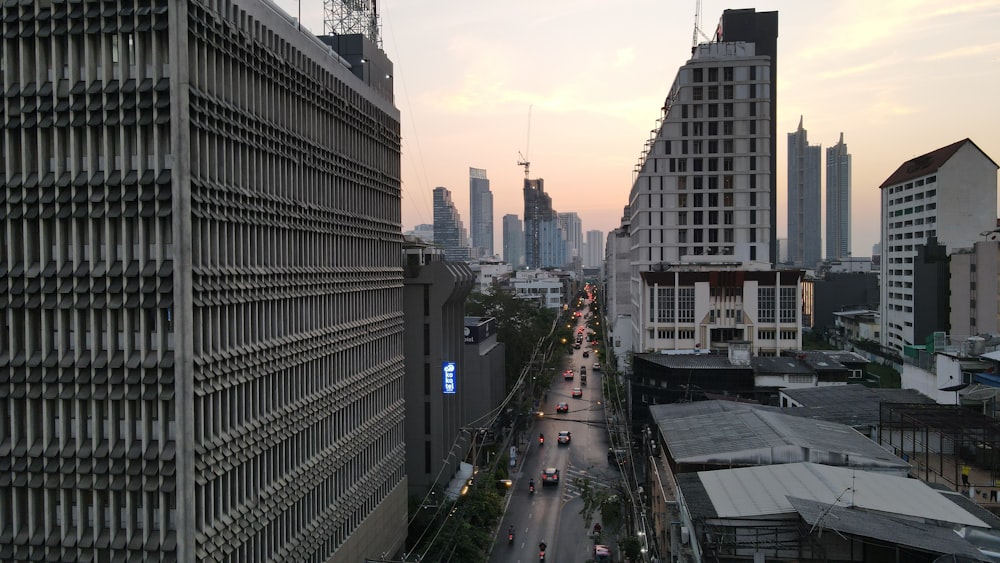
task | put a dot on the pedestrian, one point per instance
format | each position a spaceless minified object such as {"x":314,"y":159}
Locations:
{"x":965,"y":475}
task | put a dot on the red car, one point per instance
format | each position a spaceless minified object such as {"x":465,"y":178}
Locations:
{"x":562,"y":408}
{"x":577,"y":392}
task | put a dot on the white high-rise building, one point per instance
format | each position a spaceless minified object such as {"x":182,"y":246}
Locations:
{"x":594,"y":256}
{"x":702,"y":216}
{"x":932,"y":205}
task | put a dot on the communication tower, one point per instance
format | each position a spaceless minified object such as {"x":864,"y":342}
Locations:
{"x":350,"y":17}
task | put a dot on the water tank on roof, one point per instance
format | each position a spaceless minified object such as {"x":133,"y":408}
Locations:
{"x":975,"y":346}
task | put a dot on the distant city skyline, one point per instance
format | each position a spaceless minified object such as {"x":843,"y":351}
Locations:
{"x":466,"y":75}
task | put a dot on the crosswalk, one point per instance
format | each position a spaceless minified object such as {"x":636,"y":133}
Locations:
{"x":571,"y":490}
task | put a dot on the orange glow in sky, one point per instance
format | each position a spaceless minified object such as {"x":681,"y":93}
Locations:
{"x":898,"y":77}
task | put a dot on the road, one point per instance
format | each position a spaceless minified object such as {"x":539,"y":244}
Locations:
{"x":552,"y":514}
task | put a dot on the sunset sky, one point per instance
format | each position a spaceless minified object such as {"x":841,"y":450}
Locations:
{"x":898,"y":77}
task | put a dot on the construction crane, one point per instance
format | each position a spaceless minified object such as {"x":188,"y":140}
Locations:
{"x":523,"y":161}
{"x":697,"y":26}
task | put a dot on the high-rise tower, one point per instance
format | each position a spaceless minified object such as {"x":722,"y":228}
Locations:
{"x":201,"y":346}
{"x":449,"y":232}
{"x":480,"y":213}
{"x":513,"y":241}
{"x":838,"y":201}
{"x":804,"y":192}
{"x":539,"y":223}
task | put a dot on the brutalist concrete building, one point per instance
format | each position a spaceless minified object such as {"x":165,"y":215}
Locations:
{"x":201,"y":353}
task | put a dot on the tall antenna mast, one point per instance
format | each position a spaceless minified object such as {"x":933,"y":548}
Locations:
{"x":524,"y":160}
{"x":352,"y":17}
{"x":697,"y":26}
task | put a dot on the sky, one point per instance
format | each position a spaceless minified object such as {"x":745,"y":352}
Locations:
{"x":576,"y":86}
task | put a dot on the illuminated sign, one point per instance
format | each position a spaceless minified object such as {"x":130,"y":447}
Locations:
{"x":448,"y":378}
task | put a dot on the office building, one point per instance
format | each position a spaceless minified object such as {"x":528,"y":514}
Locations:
{"x":449,"y":232}
{"x":481,"y":213}
{"x":594,"y":255}
{"x":202,"y":344}
{"x":932,"y":205}
{"x":804,"y":215}
{"x":437,"y":383}
{"x":838,"y":201}
{"x":572,"y":229}
{"x":513,"y":241}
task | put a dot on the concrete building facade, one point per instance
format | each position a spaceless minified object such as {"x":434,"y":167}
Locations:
{"x":946,"y":197}
{"x":202,"y":348}
{"x":437,"y":384}
{"x":594,"y":249}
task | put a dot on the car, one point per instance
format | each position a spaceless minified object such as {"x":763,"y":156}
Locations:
{"x":564,"y":437}
{"x":586,"y":354}
{"x":576,"y":346}
{"x":577,"y":392}
{"x":597,"y":366}
{"x":583,"y":370}
{"x":550,"y":476}
{"x":562,"y":407}
{"x":568,"y":374}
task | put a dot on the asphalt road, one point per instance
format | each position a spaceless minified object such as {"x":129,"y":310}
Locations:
{"x":552,"y":514}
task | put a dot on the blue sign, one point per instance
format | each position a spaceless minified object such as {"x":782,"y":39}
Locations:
{"x":448,"y":378}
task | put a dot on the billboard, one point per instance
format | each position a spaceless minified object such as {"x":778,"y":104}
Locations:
{"x":448,"y":378}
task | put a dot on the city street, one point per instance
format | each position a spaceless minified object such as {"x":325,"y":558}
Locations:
{"x":552,"y":514}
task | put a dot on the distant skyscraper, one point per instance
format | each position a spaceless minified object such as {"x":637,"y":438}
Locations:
{"x":480,"y":213}
{"x":449,"y":233}
{"x":594,"y":257}
{"x":513,"y":241}
{"x":804,"y":192}
{"x":537,"y":211}
{"x":572,"y":229}
{"x":838,"y":201}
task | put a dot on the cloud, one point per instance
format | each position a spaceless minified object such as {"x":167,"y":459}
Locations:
{"x":964,"y":52}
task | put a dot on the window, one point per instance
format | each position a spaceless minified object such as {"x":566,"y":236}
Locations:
{"x":682,"y":217}
{"x":753,"y":199}
{"x":713,"y":128}
{"x":682,"y":236}
{"x":699,"y":234}
{"x":713,"y":75}
{"x":713,"y":200}
{"x":727,"y":145}
{"x":682,"y":200}
{"x":727,"y":235}
{"x":685,"y":305}
{"x":713,"y":219}
{"x":727,"y":91}
{"x":727,"y":182}
{"x":713,"y":110}
{"x":727,"y":200}
{"x":713,"y":92}
{"x":698,"y":75}
{"x":727,"y":217}
{"x":696,"y":93}
{"x":727,"y":73}
{"x":765,"y":305}
{"x":727,"y":127}
{"x":727,"y":163}
{"x":727,"y":110}
{"x":699,"y":200}
{"x":789,"y":306}
{"x":663,"y":303}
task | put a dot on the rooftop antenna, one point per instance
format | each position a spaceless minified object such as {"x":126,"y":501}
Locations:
{"x":523,"y":161}
{"x":352,"y":17}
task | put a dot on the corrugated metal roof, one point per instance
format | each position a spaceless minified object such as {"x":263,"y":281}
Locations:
{"x":754,"y":436}
{"x":907,"y":532}
{"x":692,"y":361}
{"x":854,"y":405}
{"x":766,"y":490}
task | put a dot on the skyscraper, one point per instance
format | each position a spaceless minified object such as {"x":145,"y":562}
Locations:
{"x":449,"y":233}
{"x":201,"y":350}
{"x":538,"y":214}
{"x":572,"y":229}
{"x":594,"y":257}
{"x":838,"y":201}
{"x":513,"y":241}
{"x":481,"y":213}
{"x":804,"y":214}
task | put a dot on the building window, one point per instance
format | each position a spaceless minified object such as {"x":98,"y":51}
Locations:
{"x":685,"y":305}
{"x":727,"y":74}
{"x":789,"y":308}
{"x":698,"y":75}
{"x":682,"y":217}
{"x":713,"y":110}
{"x":727,"y":235}
{"x":727,"y":92}
{"x":664,"y":304}
{"x":765,"y":305}
{"x":713,"y":92}
{"x":713,"y":75}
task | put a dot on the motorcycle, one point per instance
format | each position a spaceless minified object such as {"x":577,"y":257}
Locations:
{"x":541,"y":439}
{"x":510,"y":535}
{"x":541,"y":551}
{"x":531,"y":489}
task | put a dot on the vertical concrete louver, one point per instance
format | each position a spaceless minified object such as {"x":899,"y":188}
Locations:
{"x":200,"y":289}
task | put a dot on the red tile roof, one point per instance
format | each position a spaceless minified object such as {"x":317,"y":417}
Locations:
{"x":927,"y":163}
